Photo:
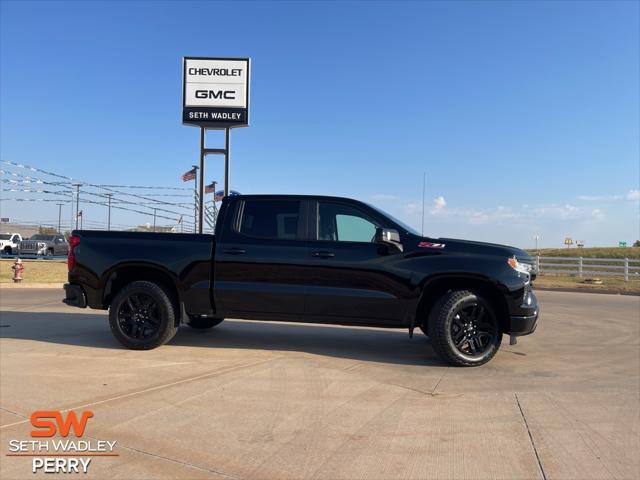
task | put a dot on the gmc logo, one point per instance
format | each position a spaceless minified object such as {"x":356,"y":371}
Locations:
{"x":218,"y":94}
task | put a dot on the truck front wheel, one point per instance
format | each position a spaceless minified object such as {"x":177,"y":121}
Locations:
{"x":202,"y":323}
{"x":142,"y":316}
{"x":464,"y":329}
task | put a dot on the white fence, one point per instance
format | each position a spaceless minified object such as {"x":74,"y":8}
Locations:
{"x":581,"y":266}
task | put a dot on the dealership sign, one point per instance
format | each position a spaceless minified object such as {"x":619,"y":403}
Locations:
{"x":215,"y":92}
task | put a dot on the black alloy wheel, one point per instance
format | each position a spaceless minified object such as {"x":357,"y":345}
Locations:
{"x":473,"y":329}
{"x":142,"y":316}
{"x":464,"y":329}
{"x":139,"y":316}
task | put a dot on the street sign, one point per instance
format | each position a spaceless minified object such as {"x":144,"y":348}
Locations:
{"x":622,"y":244}
{"x":215,"y":92}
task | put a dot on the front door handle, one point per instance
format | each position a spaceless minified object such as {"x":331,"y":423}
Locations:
{"x":234,"y":251}
{"x":323,"y":254}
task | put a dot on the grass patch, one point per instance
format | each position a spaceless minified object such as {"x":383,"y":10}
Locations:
{"x":597,"y":252}
{"x":35,"y":271}
{"x":616,"y":284}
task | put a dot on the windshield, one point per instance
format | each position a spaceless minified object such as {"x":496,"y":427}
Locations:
{"x":42,"y":237}
{"x":408,"y":228}
{"x":4,"y":236}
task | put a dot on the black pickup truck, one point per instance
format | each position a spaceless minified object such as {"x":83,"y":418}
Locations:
{"x":306,"y":259}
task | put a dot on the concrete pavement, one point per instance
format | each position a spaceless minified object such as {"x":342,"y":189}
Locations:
{"x":276,"y":400}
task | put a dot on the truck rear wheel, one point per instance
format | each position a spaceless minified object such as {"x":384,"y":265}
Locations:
{"x":202,"y":323}
{"x":464,"y":329}
{"x":142,"y":316}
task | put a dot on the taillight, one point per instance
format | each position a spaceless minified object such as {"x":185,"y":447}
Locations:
{"x":74,"y":241}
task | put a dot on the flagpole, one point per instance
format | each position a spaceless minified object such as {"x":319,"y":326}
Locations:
{"x":195,"y":199}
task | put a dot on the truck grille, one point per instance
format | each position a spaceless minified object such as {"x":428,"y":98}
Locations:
{"x":29,"y":246}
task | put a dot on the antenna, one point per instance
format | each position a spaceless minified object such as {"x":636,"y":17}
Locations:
{"x":424,"y":187}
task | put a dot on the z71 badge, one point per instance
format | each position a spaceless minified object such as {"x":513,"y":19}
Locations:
{"x":431,"y":245}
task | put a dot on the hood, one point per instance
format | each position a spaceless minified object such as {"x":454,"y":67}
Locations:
{"x":454,"y":245}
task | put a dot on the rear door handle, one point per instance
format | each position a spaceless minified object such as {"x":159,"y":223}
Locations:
{"x":323,"y":254}
{"x":234,"y":251}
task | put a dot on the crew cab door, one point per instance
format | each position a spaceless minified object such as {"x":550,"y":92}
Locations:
{"x":349,"y":275}
{"x":259,"y":259}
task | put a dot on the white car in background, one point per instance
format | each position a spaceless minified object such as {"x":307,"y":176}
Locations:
{"x":9,"y":242}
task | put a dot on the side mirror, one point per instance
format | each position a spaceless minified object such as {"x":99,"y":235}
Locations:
{"x":389,"y":237}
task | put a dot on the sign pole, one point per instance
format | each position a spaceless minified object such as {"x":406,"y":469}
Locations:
{"x":227,"y":150}
{"x":201,"y":203}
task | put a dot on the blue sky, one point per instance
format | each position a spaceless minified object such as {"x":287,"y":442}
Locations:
{"x":525,"y":116}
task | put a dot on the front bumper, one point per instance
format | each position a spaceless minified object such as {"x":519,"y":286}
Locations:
{"x":74,"y":296}
{"x":526,"y":321}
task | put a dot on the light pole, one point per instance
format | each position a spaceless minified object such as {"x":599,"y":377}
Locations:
{"x":59,"y":216}
{"x":109,"y":214}
{"x":77,"y":185}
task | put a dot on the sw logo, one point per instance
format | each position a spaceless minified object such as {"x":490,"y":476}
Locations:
{"x":50,"y":422}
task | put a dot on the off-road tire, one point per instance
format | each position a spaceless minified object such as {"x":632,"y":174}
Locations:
{"x":202,"y":323}
{"x":166,"y":316}
{"x":440,"y":324}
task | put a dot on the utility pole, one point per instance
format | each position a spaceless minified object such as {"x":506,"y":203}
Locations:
{"x":154,"y":219}
{"x":59,"y":216}
{"x":77,"y":185}
{"x":109,"y":214}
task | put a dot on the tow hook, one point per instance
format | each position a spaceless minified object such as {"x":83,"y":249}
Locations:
{"x":513,"y":339}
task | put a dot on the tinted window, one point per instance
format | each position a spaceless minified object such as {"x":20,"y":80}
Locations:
{"x":343,"y":223}
{"x":39,"y":236}
{"x":4,"y":236}
{"x":270,"y":219}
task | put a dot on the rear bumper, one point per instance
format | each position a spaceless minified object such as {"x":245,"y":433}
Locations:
{"x":74,"y":296}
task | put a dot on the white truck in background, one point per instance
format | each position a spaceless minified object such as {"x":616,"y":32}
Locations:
{"x":9,"y":243}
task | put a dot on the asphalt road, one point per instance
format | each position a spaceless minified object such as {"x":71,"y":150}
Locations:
{"x":275,"y":400}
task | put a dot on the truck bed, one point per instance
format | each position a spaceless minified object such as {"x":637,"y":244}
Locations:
{"x":181,"y":261}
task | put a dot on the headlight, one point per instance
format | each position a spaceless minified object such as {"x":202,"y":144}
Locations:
{"x":519,"y":267}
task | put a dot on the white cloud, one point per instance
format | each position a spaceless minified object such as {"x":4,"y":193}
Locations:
{"x":599,"y":198}
{"x":632,"y":195}
{"x":439,"y":205}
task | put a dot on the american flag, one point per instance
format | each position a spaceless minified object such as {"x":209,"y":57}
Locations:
{"x":210,"y":188}
{"x":190,"y":175}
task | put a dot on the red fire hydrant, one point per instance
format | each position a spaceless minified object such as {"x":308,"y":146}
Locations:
{"x":17,"y":268}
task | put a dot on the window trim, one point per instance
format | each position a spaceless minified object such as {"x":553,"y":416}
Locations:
{"x":313,"y":234}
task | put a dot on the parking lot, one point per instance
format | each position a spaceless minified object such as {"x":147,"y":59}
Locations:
{"x":275,"y":400}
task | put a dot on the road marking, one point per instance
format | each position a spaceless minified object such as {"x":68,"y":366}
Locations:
{"x":152,"y":389}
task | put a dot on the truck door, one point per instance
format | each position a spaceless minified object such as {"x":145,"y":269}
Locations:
{"x":260,"y":258}
{"x":349,"y":275}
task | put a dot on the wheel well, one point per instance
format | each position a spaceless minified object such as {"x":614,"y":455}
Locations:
{"x":125,"y":275}
{"x":437,"y":288}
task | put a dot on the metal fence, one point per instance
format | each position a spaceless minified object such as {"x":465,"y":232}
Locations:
{"x":584,"y":266}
